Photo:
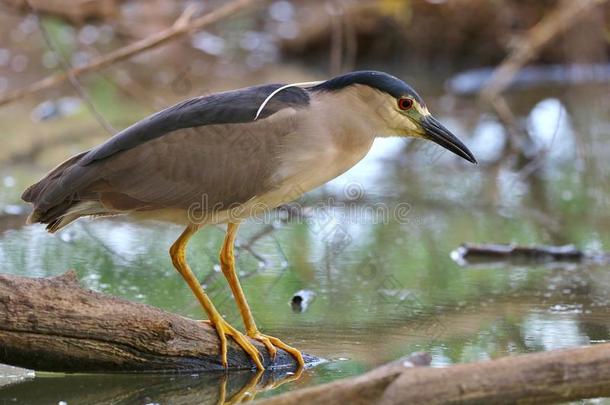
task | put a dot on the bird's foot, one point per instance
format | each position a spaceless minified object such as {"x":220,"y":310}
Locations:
{"x":272,"y":343}
{"x":224,"y":329}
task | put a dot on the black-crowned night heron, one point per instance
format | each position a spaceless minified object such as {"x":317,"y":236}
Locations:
{"x":227,"y":156}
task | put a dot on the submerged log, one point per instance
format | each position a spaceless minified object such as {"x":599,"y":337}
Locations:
{"x":547,"y":377}
{"x":469,"y":253}
{"x":54,"y":324}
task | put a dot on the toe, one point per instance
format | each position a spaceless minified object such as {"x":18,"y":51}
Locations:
{"x":272,"y":343}
{"x":267,"y":342}
{"x":222,"y":330}
{"x":247,"y":346}
{"x":289,"y":349}
{"x":250,"y":349}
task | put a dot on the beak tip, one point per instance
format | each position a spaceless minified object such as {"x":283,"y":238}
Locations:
{"x":439,"y":134}
{"x":469,"y":157}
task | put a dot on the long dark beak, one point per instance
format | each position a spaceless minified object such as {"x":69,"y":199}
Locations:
{"x":437,"y":133}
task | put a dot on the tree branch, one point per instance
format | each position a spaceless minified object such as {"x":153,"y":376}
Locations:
{"x":180,"y":28}
{"x":556,"y":21}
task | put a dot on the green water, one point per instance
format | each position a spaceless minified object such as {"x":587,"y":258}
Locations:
{"x":374,"y":246}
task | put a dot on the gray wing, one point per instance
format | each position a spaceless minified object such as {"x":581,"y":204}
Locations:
{"x":203,"y":148}
{"x":231,"y":107}
{"x":211,"y":167}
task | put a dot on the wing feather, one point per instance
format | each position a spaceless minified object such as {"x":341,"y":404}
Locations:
{"x":212,"y":167}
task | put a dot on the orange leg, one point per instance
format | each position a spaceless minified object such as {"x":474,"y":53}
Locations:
{"x":178,"y":255}
{"x":227,"y":263}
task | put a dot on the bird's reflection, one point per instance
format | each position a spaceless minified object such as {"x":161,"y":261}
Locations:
{"x":260,"y":381}
{"x":209,"y":388}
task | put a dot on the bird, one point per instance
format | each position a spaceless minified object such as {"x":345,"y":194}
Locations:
{"x":218,"y":159}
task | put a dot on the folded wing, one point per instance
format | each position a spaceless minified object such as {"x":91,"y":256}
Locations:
{"x":208,"y":150}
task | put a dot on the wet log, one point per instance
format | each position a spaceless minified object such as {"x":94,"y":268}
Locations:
{"x":547,"y":377}
{"x":54,"y":324}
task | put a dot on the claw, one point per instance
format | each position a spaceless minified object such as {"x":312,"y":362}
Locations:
{"x":267,"y":342}
{"x":223,"y":329}
{"x":271,"y":343}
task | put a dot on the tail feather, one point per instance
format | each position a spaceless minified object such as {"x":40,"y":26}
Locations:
{"x":32,"y":193}
{"x":57,"y":198}
{"x":81,"y":209}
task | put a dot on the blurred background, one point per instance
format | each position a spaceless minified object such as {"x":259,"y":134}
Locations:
{"x":526,"y":85}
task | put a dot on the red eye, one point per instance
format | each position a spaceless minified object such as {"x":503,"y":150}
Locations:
{"x":405,"y":103}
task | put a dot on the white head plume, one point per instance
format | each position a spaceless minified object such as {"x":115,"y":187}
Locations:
{"x":270,"y":96}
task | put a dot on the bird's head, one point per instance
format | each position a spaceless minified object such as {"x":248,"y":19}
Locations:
{"x":398,"y":107}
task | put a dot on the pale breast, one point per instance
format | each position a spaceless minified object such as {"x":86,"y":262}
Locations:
{"x":319,"y":151}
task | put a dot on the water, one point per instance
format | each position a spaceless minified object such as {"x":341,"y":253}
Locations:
{"x":375,"y":247}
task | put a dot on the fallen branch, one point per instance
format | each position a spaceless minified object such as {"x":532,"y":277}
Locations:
{"x":547,"y":377}
{"x":180,"y":28}
{"x":53,"y":324}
